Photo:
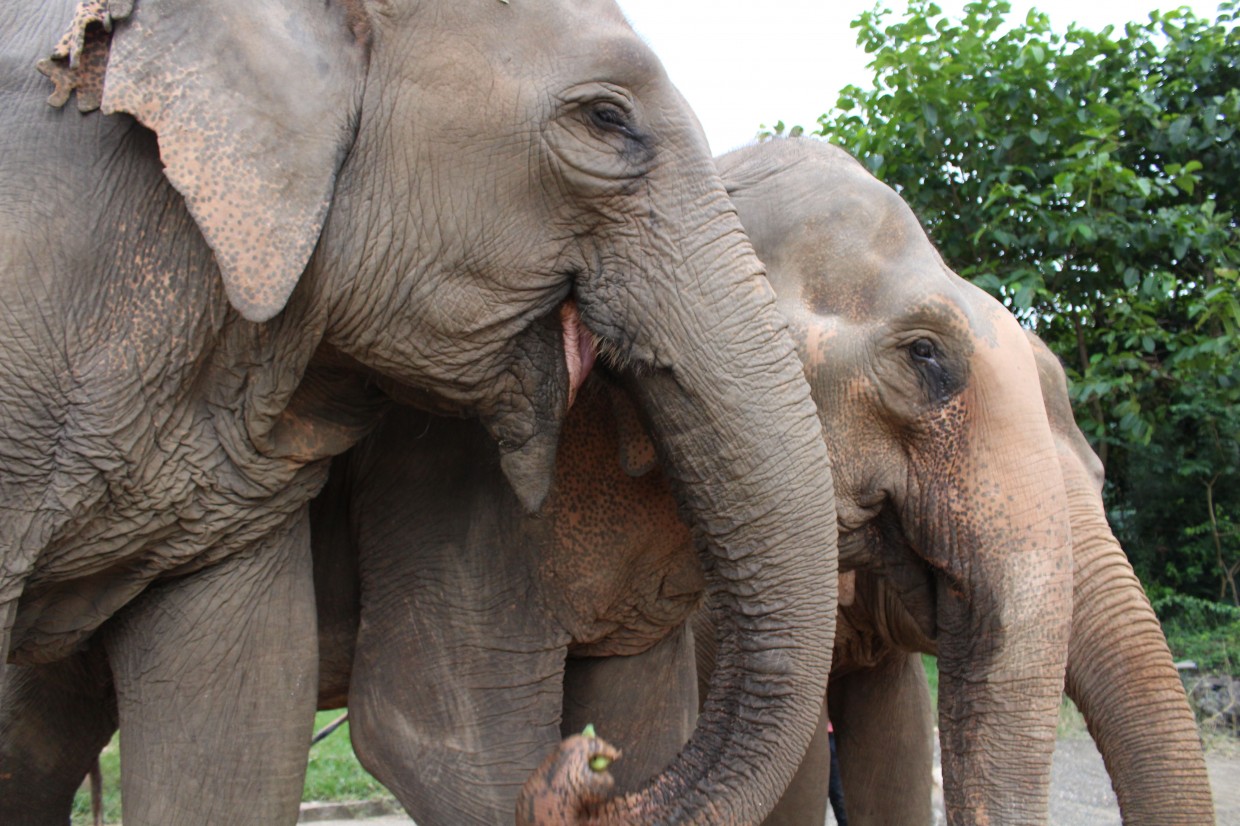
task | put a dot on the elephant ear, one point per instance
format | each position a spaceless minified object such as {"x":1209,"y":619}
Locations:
{"x":636,"y":450}
{"x":254,"y":103}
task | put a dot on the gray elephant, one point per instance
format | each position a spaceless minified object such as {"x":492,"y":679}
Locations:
{"x":287,"y":214}
{"x":882,"y":330}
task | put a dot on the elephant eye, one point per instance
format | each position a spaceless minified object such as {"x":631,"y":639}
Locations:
{"x":942,"y":377}
{"x":611,"y":118}
{"x":923,"y":349}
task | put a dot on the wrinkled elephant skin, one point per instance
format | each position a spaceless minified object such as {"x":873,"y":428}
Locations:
{"x":285,"y":214}
{"x":853,"y":300}
{"x":946,"y":476}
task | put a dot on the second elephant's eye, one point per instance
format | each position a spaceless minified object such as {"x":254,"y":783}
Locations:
{"x":612,"y":118}
{"x":923,"y":349}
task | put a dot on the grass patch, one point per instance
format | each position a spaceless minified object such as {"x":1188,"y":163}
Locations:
{"x":110,"y":766}
{"x":332,"y":774}
{"x":931,"y":664}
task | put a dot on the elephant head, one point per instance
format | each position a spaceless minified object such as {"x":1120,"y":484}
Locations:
{"x":463,"y":202}
{"x":945,"y":467}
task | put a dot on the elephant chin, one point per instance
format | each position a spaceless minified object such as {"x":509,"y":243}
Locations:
{"x":527,"y":433}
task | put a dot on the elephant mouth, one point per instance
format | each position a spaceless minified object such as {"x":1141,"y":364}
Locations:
{"x":580,"y":348}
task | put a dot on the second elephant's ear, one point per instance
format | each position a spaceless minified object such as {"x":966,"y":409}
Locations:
{"x":254,"y":103}
{"x":636,"y":450}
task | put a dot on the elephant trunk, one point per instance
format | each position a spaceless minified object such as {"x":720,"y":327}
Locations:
{"x":1003,"y":589}
{"x":1121,"y":676}
{"x":724,"y":395}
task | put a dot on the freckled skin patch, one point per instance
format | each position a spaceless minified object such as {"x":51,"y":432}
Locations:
{"x":621,"y":559}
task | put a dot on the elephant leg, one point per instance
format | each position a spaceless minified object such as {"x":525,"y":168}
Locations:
{"x":216,"y":675}
{"x":54,"y":720}
{"x":884,"y":737}
{"x":336,"y":597}
{"x":457,"y":678}
{"x":805,"y":800}
{"x":644,"y":704}
{"x":455,"y":734}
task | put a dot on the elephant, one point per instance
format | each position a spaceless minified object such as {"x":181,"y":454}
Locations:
{"x":805,"y":206}
{"x":287,"y":217}
{"x":947,"y":479}
{"x":1119,"y":673}
{"x":521,"y":628}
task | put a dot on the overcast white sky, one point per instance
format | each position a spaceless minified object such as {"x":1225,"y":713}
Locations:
{"x":742,"y":63}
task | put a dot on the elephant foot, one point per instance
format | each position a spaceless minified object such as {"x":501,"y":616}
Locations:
{"x":569,"y":782}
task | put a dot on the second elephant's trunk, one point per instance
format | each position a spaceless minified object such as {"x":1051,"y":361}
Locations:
{"x":1121,"y":676}
{"x":1120,"y":672}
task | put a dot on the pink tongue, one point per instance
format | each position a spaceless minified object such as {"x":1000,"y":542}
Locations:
{"x":579,"y":348}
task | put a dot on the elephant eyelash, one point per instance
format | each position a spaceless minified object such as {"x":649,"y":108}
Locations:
{"x":611,"y":118}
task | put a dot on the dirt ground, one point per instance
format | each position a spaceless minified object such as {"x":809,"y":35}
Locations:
{"x":1080,"y":791}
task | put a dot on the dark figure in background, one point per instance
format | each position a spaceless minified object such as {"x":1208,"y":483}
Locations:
{"x":835,"y":791}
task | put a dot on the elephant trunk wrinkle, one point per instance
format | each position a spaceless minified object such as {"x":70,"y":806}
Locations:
{"x":1121,"y":676}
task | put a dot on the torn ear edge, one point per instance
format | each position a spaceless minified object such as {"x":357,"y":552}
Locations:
{"x":258,"y":180}
{"x":79,"y":59}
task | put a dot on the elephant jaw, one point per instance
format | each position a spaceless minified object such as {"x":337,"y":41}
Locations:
{"x":580,"y":348}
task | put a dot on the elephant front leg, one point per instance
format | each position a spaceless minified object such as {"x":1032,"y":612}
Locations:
{"x":54,"y":720}
{"x":457,"y":680}
{"x":215,"y":677}
{"x":885,"y":739}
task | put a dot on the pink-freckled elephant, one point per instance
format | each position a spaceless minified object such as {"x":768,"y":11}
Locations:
{"x":284,"y":215}
{"x":807,"y":207}
{"x":946,"y":471}
{"x":1119,"y":673}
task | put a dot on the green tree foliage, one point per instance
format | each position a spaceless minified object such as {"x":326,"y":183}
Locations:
{"x":1091,"y":181}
